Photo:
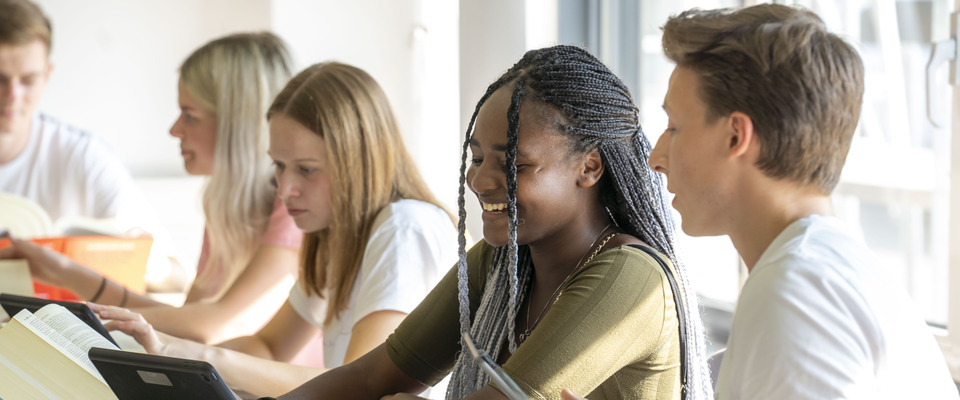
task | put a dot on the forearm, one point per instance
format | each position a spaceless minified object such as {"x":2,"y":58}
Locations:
{"x":250,"y":301}
{"x":369,"y":377}
{"x":255,"y":375}
{"x":338,"y":383}
{"x":90,"y":285}
{"x":251,"y":345}
{"x":203,"y":322}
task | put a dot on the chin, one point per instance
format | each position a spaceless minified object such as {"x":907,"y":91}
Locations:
{"x":496,"y":239}
{"x":698,"y":230}
{"x":310,"y":226}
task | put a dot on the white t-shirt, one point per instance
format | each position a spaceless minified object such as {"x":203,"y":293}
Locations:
{"x":817,"y":319}
{"x":412,"y":246}
{"x":71,"y":173}
{"x":68,"y":172}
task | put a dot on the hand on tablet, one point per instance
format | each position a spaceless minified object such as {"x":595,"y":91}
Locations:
{"x":133,"y":324}
{"x":566,"y":394}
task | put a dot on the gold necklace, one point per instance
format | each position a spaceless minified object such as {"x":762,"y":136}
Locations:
{"x":557,"y":292}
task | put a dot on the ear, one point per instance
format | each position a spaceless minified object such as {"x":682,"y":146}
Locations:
{"x":741,"y":138}
{"x":591,"y":169}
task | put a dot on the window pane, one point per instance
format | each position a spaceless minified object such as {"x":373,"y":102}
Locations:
{"x":895,"y":183}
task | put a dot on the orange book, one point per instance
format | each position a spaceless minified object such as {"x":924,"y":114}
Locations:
{"x":121,"y":259}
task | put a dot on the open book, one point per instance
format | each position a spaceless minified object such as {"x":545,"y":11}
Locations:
{"x":43,"y":355}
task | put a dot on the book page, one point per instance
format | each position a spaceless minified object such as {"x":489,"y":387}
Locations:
{"x":73,"y":328}
{"x":66,"y":332}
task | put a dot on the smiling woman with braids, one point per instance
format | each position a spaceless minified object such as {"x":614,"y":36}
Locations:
{"x":561,"y":290}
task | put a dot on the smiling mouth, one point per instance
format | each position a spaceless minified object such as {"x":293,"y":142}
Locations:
{"x":493,"y":207}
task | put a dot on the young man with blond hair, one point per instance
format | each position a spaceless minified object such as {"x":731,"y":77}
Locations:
{"x":762,"y":108}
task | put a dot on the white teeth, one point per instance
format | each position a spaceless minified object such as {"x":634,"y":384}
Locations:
{"x":494,"y":207}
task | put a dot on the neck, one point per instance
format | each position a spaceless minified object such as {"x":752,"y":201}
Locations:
{"x":766,"y":214}
{"x":557,"y":257}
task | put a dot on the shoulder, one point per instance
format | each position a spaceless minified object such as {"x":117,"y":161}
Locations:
{"x":412,"y":230}
{"x":72,"y":144}
{"x":57,"y":132}
{"x":409,"y":212}
{"x":413,"y":219}
{"x":817,"y":240}
{"x":804,"y":289}
{"x":630,"y":261}
{"x":624,"y":271}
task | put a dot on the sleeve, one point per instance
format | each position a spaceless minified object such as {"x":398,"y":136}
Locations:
{"x":426,"y":343}
{"x":401,"y":263}
{"x":281,"y":230}
{"x":797,"y":336}
{"x":612,"y":313}
{"x":109,"y":189}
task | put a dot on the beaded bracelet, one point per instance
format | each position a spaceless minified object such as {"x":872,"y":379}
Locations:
{"x":103,"y":285}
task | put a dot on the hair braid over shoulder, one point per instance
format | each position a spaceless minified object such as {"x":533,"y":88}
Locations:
{"x":596,"y":111}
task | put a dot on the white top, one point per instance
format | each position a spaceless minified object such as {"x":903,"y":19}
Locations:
{"x":71,"y":173}
{"x":412,"y":246}
{"x":817,"y":319}
{"x":68,"y":172}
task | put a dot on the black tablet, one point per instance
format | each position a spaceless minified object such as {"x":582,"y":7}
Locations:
{"x":138,"y":376}
{"x":12,"y":304}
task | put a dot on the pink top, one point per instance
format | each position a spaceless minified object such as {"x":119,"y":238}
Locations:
{"x":281,"y":232}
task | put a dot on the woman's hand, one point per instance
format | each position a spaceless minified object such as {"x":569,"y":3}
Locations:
{"x":566,"y":394}
{"x":46,"y":265}
{"x":133,"y":324}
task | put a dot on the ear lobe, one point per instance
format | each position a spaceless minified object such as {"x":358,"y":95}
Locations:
{"x":591,"y":169}
{"x":741,"y":134}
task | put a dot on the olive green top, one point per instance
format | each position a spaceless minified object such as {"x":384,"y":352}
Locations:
{"x":612,"y":333}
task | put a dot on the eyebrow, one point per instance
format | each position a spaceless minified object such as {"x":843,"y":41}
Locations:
{"x":499,"y":147}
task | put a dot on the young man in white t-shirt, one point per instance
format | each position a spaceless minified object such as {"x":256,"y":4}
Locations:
{"x":762,"y":108}
{"x":68,"y":172}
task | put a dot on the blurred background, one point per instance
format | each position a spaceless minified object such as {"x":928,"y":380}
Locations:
{"x":116,"y":74}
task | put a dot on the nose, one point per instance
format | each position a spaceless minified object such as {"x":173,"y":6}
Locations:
{"x":658,"y":156}
{"x":485,"y":177}
{"x":176,"y":130}
{"x":286,"y":186}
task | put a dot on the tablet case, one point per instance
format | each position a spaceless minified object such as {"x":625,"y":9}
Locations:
{"x":12,"y":304}
{"x":137,"y":376}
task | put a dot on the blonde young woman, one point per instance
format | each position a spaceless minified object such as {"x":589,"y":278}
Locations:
{"x":250,"y":247}
{"x":377,"y":239}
